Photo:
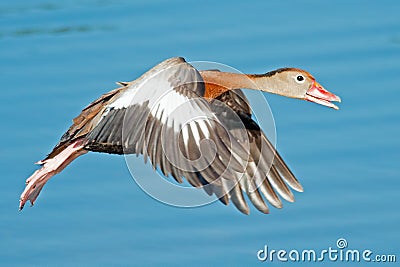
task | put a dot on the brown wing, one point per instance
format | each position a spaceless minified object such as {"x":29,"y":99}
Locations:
{"x":131,"y":120}
{"x":266,"y":174}
{"x":85,"y":121}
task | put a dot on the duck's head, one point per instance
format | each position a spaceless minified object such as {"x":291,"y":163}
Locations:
{"x":297,"y":83}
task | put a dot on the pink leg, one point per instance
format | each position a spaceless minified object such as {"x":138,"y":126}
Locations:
{"x":35,"y":183}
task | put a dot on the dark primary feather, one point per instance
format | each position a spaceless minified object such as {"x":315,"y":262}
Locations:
{"x":271,"y":173}
{"x":84,"y":122}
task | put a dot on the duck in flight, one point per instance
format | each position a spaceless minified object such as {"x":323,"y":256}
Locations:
{"x":193,"y":125}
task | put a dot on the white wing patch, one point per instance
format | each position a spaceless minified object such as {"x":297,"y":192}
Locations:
{"x":167,"y":105}
{"x":125,"y":100}
{"x":162,"y":93}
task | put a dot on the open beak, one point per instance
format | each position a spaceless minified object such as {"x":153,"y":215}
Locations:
{"x":319,"y":95}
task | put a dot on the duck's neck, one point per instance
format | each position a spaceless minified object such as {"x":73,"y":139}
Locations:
{"x":218,"y":83}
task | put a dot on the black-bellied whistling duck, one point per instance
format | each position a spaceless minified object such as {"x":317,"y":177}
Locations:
{"x":169,"y":112}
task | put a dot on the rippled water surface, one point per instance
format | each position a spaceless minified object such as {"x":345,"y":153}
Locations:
{"x":56,"y":57}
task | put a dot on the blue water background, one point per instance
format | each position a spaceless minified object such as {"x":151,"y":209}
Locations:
{"x":56,"y":57}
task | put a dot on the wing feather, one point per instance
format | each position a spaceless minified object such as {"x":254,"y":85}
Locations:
{"x":266,"y":174}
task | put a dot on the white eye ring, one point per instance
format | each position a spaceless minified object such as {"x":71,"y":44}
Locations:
{"x":299,"y":78}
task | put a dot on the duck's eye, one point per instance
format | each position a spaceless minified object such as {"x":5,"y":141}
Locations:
{"x":300,"y":78}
